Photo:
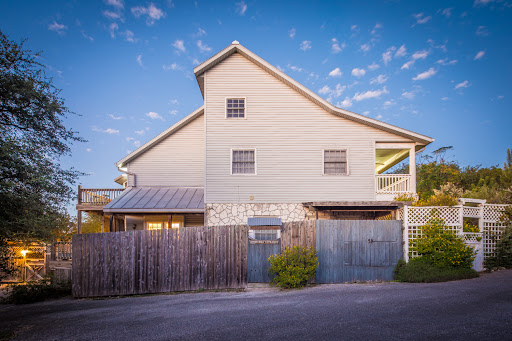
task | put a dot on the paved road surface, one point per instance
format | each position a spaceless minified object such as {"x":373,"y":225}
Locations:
{"x":476,"y":309}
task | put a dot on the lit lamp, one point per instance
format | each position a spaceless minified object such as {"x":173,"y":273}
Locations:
{"x":24,"y":252}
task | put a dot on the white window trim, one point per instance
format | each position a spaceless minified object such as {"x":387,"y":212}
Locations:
{"x":226,"y":107}
{"x":243,"y":149}
{"x":348,"y":163}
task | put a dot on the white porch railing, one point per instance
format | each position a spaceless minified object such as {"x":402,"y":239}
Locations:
{"x":393,"y":183}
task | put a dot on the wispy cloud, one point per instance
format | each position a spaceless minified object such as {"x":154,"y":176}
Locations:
{"x":113,"y":15}
{"x":464,"y":84}
{"x":295,"y":68}
{"x":369,"y":94}
{"x":154,"y":116}
{"x":346,"y":103}
{"x":365,"y":47}
{"x":115,"y":3}
{"x":336,"y":73}
{"x":388,"y":55}
{"x":373,"y":66}
{"x":446,"y":61}
{"x":447,"y":12}
{"x":336,"y":46}
{"x":140,"y":132}
{"x":380,"y":79}
{"x":241,"y":7}
{"x":110,"y":131}
{"x":112,"y":30}
{"x":424,"y":75}
{"x":375,"y":28}
{"x":179,"y":45}
{"x":420,"y":54}
{"x":358,"y":72}
{"x":56,"y":27}
{"x":305,"y":45}
{"x":479,"y":55}
{"x":408,"y":94}
{"x":292,"y":32}
{"x":139,"y":60}
{"x":174,"y":66}
{"x":482,"y":31}
{"x":407,"y":65}
{"x":86,"y":36}
{"x":203,"y":48}
{"x":401,"y":51}
{"x":421,"y":18}
{"x":129,"y":36}
{"x":200,"y":32}
{"x":482,"y":2}
{"x":115,"y":117}
{"x":151,"y":12}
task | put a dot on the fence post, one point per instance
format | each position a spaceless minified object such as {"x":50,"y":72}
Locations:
{"x":406,"y":233}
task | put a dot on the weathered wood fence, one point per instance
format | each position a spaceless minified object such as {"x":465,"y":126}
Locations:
{"x":139,"y":262}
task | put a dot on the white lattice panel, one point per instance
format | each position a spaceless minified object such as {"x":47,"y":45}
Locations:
{"x":418,"y":216}
{"x":472,"y":212}
{"x":401,"y":214}
{"x":472,"y":237}
{"x":491,"y":235}
{"x":493,"y":213}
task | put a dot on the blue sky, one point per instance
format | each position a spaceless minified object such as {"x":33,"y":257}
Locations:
{"x":440,"y":68}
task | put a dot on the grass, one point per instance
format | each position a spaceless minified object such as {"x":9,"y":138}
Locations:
{"x":36,"y":291}
{"x":424,"y":272}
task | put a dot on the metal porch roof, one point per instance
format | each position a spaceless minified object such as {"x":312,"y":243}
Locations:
{"x":158,"y":200}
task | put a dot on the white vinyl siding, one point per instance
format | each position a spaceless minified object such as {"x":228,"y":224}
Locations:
{"x":178,"y":160}
{"x":243,"y":162}
{"x":289,"y":133}
{"x":335,"y":162}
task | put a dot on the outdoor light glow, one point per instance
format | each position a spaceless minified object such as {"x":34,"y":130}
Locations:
{"x":24,"y":252}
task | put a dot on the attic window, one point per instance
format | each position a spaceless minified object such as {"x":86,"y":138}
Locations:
{"x":235,"y":107}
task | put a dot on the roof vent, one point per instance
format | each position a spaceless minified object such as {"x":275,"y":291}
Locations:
{"x":235,"y":42}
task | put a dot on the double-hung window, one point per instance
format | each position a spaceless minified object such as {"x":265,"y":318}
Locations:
{"x":243,"y":161}
{"x":335,"y":162}
{"x":235,"y":107}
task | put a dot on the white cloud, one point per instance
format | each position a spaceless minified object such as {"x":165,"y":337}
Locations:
{"x":358,"y":72}
{"x":203,"y":47}
{"x":445,"y":61}
{"x":154,"y":116}
{"x":115,"y":3}
{"x":482,"y":2}
{"x":479,"y":55}
{"x":112,"y":30}
{"x":115,"y":117}
{"x":88,"y":150}
{"x":86,"y":36}
{"x":174,"y":66}
{"x":59,"y":28}
{"x":366,"y":113}
{"x":324,"y":90}
{"x":339,"y":90}
{"x":424,"y":75}
{"x":113,"y":15}
{"x":354,"y":28}
{"x":196,"y":61}
{"x":294,"y":68}
{"x":464,"y":84}
{"x":139,"y":60}
{"x":129,"y":36}
{"x":388,"y":55}
{"x":401,"y":51}
{"x":447,"y":12}
{"x":179,"y":45}
{"x":421,"y":18}
{"x":200,"y":32}
{"x":375,"y":28}
{"x":380,"y":79}
{"x":305,"y":45}
{"x":369,"y":94}
{"x":482,"y":31}
{"x":389,"y":103}
{"x":337,"y":47}
{"x":173,"y":112}
{"x":152,"y":12}
{"x":379,"y":117}
{"x":292,"y":32}
{"x":407,"y":65}
{"x":336,"y":73}
{"x":111,"y":131}
{"x":408,"y":94}
{"x":420,"y":54}
{"x":241,"y":7}
{"x":373,"y":66}
{"x":346,"y":103}
{"x":365,"y":47}
{"x":136,"y":143}
{"x":174,"y":101}
{"x":140,"y":132}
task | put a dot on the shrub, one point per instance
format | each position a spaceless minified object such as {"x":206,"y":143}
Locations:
{"x":420,"y":270}
{"x":503,"y":252}
{"x":294,"y":268}
{"x":442,"y":247}
{"x":36,"y":291}
{"x":407,"y":197}
{"x":440,"y":199}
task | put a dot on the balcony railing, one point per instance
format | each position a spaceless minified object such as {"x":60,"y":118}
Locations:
{"x":97,"y":196}
{"x":393,"y":183}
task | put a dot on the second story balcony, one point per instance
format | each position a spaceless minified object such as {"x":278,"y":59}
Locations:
{"x":95,"y":198}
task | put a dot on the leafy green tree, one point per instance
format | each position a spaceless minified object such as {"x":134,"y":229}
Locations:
{"x":34,"y":188}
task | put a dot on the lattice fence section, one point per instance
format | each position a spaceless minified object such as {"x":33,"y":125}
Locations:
{"x":472,"y":237}
{"x":491,"y":235}
{"x":493,"y":212}
{"x":418,"y":216}
{"x":472,"y":212}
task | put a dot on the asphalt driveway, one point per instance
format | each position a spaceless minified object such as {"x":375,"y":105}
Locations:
{"x":476,"y":309}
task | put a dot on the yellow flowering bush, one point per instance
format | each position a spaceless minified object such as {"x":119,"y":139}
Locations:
{"x":442,"y":247}
{"x":294,"y":268}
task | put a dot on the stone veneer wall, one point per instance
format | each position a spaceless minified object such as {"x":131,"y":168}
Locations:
{"x":237,"y":214}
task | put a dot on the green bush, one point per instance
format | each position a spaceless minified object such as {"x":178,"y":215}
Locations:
{"x":294,"y":268}
{"x":503,"y":252}
{"x":420,"y":270}
{"x":36,"y":291}
{"x":442,"y":247}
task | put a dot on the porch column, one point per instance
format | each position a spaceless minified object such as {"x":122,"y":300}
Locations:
{"x":412,"y":167}
{"x":79,"y":221}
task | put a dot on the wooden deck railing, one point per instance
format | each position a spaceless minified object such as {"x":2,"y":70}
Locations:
{"x":393,"y":183}
{"x":97,"y":196}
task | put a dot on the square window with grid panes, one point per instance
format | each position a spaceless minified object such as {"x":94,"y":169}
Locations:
{"x":244,"y":162}
{"x":335,"y":162}
{"x":235,"y":108}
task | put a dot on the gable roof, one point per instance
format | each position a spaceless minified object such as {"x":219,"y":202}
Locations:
{"x":235,"y":47}
{"x":174,"y":128}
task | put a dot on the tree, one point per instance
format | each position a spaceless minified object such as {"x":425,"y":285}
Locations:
{"x":34,"y":188}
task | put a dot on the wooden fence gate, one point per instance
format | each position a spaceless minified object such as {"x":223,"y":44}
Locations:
{"x":357,"y":250}
{"x":258,"y":264}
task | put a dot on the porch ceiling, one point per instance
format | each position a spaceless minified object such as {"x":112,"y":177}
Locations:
{"x":387,"y":158}
{"x":158,"y":200}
